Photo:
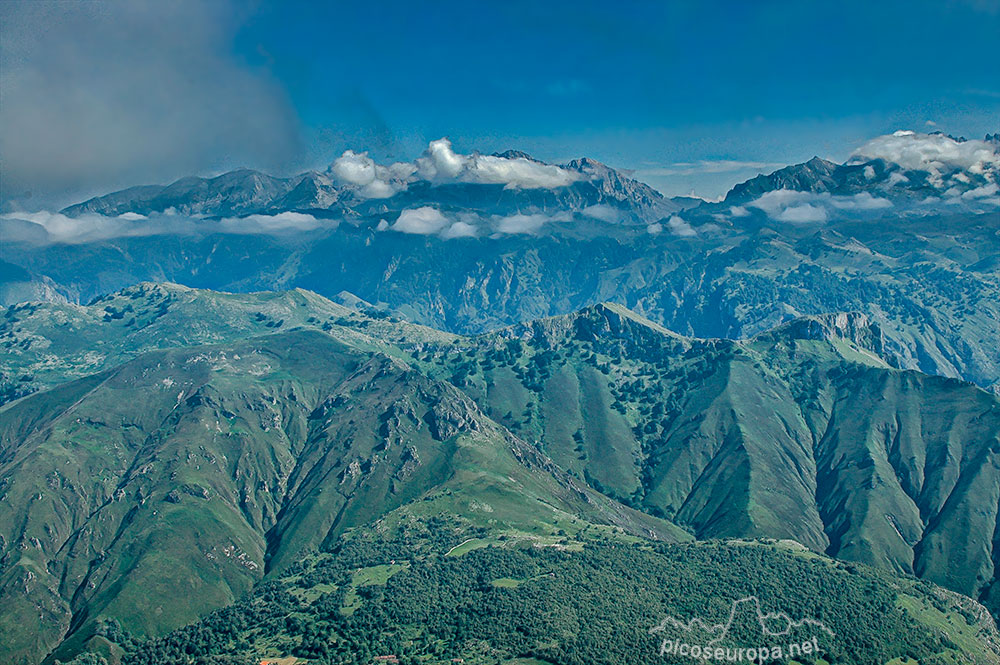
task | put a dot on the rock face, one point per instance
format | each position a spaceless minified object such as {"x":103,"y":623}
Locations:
{"x":854,"y":327}
{"x":816,"y":175}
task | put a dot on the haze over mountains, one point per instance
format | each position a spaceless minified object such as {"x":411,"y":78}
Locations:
{"x":905,"y":231}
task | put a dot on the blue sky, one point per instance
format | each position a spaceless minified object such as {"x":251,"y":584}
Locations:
{"x":691,"y":96}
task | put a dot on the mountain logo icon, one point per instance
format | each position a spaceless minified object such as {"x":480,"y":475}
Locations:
{"x":748,"y":634}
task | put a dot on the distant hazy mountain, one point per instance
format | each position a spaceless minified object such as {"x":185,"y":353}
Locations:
{"x":904,"y":231}
{"x":877,"y":177}
{"x":246,"y":192}
{"x":904,"y":167}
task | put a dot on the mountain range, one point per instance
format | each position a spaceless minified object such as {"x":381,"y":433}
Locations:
{"x":198,"y":441}
{"x":247,"y":192}
{"x":416,"y":408}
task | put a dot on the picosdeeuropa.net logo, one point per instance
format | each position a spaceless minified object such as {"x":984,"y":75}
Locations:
{"x":747,"y":635}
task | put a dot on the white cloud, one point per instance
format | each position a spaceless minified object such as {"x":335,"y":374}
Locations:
{"x":521,"y":223}
{"x":738,"y":211}
{"x":859,"y":201}
{"x":283,"y":221}
{"x":798,"y":207}
{"x":373,"y":181}
{"x":379,"y":189}
{"x":933,"y":153}
{"x":802,"y":214}
{"x":431,"y":221}
{"x":440,"y":161}
{"x":982,"y":192}
{"x":605,"y":213}
{"x":897,"y":178}
{"x":58,"y":228}
{"x":354,"y":168}
{"x":654,"y":229}
{"x":441,"y":164}
{"x":518,"y":172}
{"x":774,"y":202}
{"x":460,"y":230}
{"x":422,"y":221}
{"x":680,"y":228}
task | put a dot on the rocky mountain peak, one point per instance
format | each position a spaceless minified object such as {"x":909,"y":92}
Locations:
{"x":516,"y":154}
{"x":855,"y":327}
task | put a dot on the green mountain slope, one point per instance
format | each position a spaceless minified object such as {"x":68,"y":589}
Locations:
{"x":802,"y":433}
{"x":170,"y":462}
{"x":47,"y":343}
{"x":164,"y":488}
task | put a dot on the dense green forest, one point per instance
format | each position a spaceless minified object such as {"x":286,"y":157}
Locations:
{"x":436,"y":591}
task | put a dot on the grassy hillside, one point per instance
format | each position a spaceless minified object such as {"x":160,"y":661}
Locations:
{"x":166,"y":487}
{"x":180,"y":446}
{"x":805,"y":432}
{"x":47,"y":343}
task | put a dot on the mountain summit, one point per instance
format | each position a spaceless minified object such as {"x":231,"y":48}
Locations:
{"x":504,"y":183}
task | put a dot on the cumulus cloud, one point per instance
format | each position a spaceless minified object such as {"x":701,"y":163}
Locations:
{"x":786,"y":205}
{"x":514,"y":224}
{"x":354,"y":168}
{"x":440,"y":161}
{"x":981,"y":192}
{"x":421,"y":221}
{"x":460,"y":230}
{"x":373,"y":181}
{"x":802,"y":214}
{"x":279,"y":223}
{"x":441,"y":164}
{"x":428,"y":220}
{"x":934,"y":153}
{"x":45,"y":227}
{"x":680,"y":228}
{"x":859,"y":201}
{"x":897,"y":178}
{"x":605,"y":213}
{"x":987,"y":194}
